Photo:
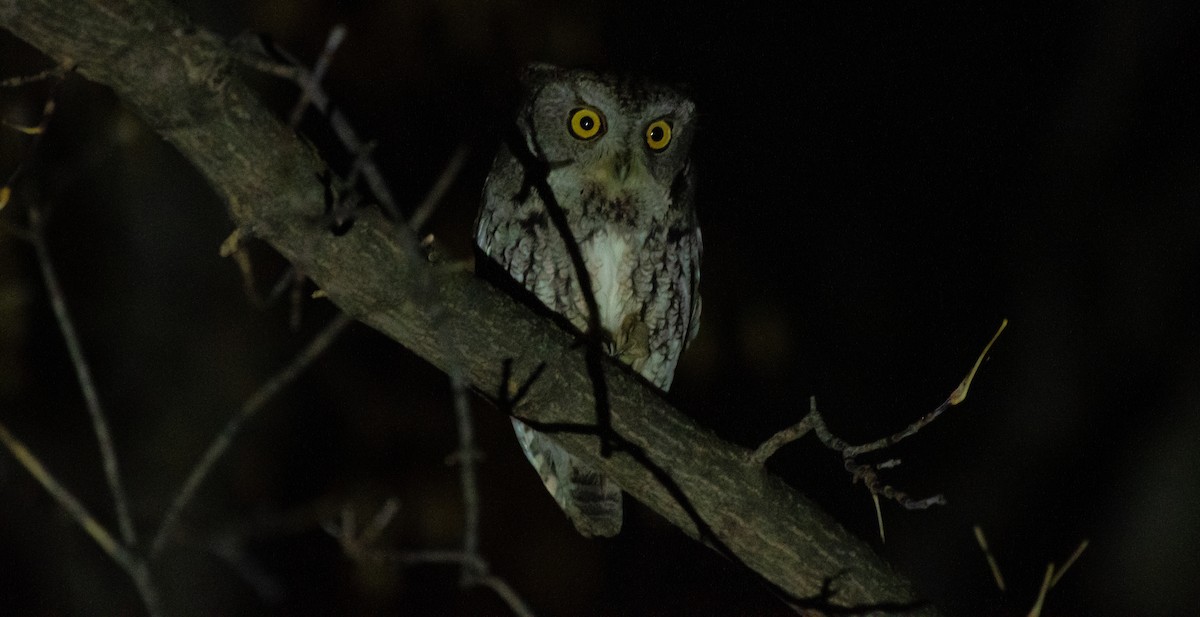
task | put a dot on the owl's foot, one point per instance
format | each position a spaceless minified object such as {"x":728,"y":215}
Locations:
{"x":632,"y":342}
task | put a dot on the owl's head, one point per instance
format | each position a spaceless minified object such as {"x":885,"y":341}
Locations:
{"x":623,"y":136}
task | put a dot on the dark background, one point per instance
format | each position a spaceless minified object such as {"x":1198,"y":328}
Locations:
{"x":879,"y":187}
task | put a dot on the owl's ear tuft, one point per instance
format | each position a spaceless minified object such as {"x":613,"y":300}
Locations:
{"x":539,"y":73}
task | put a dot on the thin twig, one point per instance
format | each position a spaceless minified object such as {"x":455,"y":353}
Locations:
{"x":230,"y":550}
{"x":84,"y":375}
{"x":515,"y":603}
{"x":878,"y":516}
{"x":336,"y":35}
{"x":256,"y":402}
{"x":470,"y":561}
{"x":466,"y":458}
{"x":370,"y":534}
{"x":786,"y":436}
{"x":94,"y":528}
{"x":434,"y":197}
{"x":1036,"y":611}
{"x":412,"y":558}
{"x":295,"y":315}
{"x":118,"y":552}
{"x":357,"y":546}
{"x":991,"y":559}
{"x":337,"y":122}
{"x":50,"y":73}
{"x":868,"y":473}
{"x":1070,"y":562}
{"x":870,"y":478}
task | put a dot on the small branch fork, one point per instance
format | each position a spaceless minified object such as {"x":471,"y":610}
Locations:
{"x":359,"y":545}
{"x":866,"y":472}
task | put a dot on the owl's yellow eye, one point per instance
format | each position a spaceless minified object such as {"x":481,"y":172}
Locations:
{"x":586,"y":123}
{"x":658,"y":135}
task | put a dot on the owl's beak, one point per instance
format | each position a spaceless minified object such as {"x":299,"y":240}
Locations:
{"x":618,"y":170}
{"x":627,"y":167}
{"x":621,"y":164}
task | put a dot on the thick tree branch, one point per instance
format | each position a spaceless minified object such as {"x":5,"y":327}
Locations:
{"x":182,"y":83}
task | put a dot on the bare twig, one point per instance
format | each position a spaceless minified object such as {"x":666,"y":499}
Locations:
{"x":50,"y":73}
{"x":1036,"y":611}
{"x":1070,"y":561}
{"x":515,"y":603}
{"x":786,"y":436}
{"x":358,"y":546}
{"x":868,"y":473}
{"x":1053,"y":575}
{"x":118,"y":552}
{"x":337,"y":122}
{"x":84,"y":375}
{"x":957,"y":396}
{"x":230,"y":549}
{"x":466,"y":458}
{"x":878,"y":516}
{"x":991,"y":559}
{"x":256,"y":402}
{"x":336,"y":35}
{"x":94,"y":528}
{"x":295,"y":315}
{"x":380,"y":521}
{"x":433,"y":198}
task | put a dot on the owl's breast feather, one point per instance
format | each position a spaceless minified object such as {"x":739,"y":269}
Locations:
{"x":610,"y":255}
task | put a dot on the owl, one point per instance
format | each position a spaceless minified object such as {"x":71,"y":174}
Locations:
{"x":617,"y":154}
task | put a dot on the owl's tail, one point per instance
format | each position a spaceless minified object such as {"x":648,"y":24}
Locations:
{"x":589,"y":499}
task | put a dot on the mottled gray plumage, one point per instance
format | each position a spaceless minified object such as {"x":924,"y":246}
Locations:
{"x":617,"y":151}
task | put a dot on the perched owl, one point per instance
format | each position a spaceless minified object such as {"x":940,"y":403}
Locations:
{"x":617,"y":154}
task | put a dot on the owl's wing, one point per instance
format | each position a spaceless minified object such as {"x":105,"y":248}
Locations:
{"x":590,"y":500}
{"x":695,"y":249}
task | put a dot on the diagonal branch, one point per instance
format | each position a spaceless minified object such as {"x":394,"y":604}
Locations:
{"x":182,"y":83}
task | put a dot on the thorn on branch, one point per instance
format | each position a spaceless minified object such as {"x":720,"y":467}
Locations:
{"x":53,"y":73}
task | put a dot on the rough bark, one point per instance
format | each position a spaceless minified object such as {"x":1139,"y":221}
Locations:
{"x":184,"y":85}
